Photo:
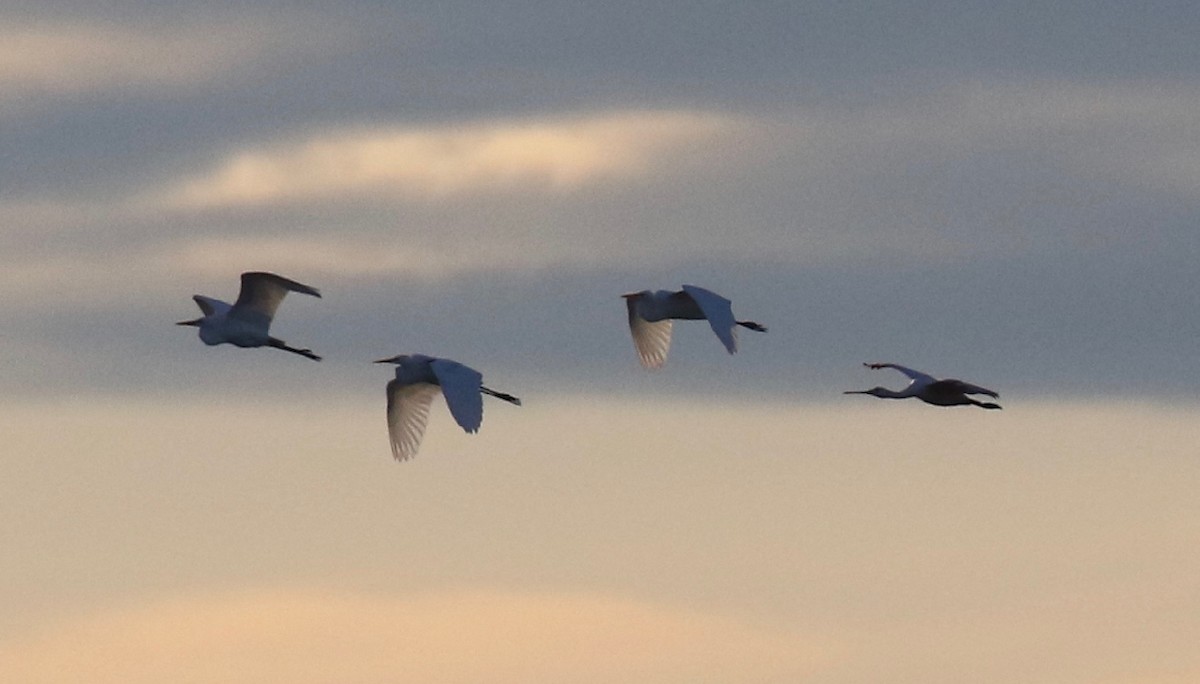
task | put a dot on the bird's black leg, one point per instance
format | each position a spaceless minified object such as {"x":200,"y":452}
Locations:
{"x":500,"y":395}
{"x":280,"y":344}
{"x":757,"y":327}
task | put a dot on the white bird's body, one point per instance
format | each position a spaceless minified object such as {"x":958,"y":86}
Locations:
{"x":247,"y":322}
{"x":651,"y":314}
{"x":948,"y":392}
{"x":418,"y":380}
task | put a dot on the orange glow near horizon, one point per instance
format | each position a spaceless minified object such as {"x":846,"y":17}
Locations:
{"x":596,"y":539}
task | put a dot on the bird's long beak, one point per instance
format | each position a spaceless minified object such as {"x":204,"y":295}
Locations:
{"x":388,"y":360}
{"x":855,"y":392}
{"x":631,"y":295}
{"x":194,"y":321}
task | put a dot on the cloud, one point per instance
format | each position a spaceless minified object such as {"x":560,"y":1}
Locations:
{"x":311,"y":636}
{"x":211,"y":258}
{"x":34,"y":280}
{"x":435,"y":162}
{"x":1133,"y":132}
{"x":969,"y":172}
{"x":55,"y":58}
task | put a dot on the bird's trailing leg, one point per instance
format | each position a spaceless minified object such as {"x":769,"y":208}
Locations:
{"x":280,"y":344}
{"x":500,"y":395}
{"x":756,"y":327}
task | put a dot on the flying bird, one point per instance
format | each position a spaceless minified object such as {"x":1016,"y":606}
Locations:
{"x":418,"y":379}
{"x":246,"y":323}
{"x":651,"y":313}
{"x":930,"y":390}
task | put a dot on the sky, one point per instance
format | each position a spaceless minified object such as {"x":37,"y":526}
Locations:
{"x":1005,"y":192}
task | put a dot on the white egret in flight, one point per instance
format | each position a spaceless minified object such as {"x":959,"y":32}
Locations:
{"x":651,"y":313}
{"x":409,"y":396}
{"x":245,"y":324}
{"x":930,"y":390}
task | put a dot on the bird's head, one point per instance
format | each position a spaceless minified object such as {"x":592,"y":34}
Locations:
{"x":194,"y":322}
{"x":874,"y":391}
{"x":397,"y":359}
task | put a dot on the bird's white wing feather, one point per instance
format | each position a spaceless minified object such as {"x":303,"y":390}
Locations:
{"x":461,"y":385}
{"x":652,"y":340}
{"x":719,"y":312}
{"x":261,"y":294}
{"x":917,"y":377}
{"x":407,"y":416}
{"x":209,"y":306}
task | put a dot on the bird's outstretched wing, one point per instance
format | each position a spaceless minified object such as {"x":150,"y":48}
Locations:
{"x":917,"y":377}
{"x":652,"y":340}
{"x":461,"y":385}
{"x":719,"y":312}
{"x":407,"y":416}
{"x":968,"y":388}
{"x":262,"y":292}
{"x":209,"y":306}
